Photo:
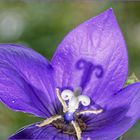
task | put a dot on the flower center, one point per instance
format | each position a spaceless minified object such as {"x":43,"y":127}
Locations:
{"x":70,"y":122}
{"x":68,"y":128}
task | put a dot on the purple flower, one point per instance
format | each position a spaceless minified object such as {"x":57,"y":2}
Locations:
{"x":80,"y":93}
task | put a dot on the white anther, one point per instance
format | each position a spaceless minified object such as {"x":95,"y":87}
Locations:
{"x":85,"y":100}
{"x":67,"y":94}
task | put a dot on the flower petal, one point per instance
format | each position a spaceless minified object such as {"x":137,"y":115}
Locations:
{"x":14,"y":91}
{"x":44,"y":133}
{"x":121,"y":113}
{"x":26,"y":82}
{"x":34,"y":132}
{"x":93,"y":56}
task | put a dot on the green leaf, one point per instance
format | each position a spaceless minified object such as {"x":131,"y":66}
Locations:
{"x":120,"y":138}
{"x":131,"y":79}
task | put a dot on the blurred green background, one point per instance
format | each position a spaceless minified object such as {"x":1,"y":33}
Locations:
{"x":42,"y":25}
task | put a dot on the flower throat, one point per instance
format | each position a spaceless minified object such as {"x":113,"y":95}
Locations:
{"x":69,"y":122}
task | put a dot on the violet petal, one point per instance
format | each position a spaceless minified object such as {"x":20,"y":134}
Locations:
{"x":94,"y":57}
{"x":26,"y":81}
{"x":33,"y":132}
{"x":120,"y":114}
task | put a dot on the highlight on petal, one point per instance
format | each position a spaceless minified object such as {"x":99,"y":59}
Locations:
{"x":121,"y":113}
{"x":26,"y":81}
{"x":94,"y":57}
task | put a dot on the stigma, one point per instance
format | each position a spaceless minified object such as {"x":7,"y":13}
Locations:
{"x":74,"y":99}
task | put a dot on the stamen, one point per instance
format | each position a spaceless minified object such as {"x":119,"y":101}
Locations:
{"x":65,"y":107}
{"x":49,"y":120}
{"x":77,"y":129}
{"x":90,"y":112}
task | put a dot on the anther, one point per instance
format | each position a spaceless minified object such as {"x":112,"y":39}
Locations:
{"x":61,"y":99}
{"x":49,"y":120}
{"x":90,"y":112}
{"x":77,"y":129}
